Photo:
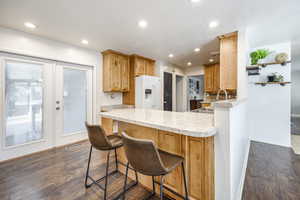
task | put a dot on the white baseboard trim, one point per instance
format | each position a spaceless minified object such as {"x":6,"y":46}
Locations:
{"x":273,"y":143}
{"x":295,"y":115}
{"x":242,"y":180}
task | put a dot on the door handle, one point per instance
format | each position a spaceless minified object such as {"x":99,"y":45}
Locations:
{"x":57,"y":108}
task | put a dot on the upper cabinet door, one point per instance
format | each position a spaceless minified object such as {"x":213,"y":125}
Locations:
{"x":228,"y":62}
{"x":115,"y":73}
{"x":125,"y":73}
{"x":139,"y":66}
{"x":150,"y":67}
{"x":209,"y":78}
{"x":216,"y":77}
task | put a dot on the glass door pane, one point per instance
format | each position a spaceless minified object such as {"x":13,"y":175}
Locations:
{"x":74,"y":100}
{"x":23,"y":102}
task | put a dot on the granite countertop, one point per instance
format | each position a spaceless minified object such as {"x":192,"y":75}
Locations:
{"x":185,"y":123}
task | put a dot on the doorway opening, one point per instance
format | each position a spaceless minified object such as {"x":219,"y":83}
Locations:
{"x":195,"y":94}
{"x":179,"y":93}
{"x":168,"y":91}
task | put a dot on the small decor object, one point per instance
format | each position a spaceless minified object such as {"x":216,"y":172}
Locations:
{"x":271,"y":78}
{"x":281,"y":58}
{"x":259,"y":54}
{"x":274,"y":77}
{"x":253,"y":71}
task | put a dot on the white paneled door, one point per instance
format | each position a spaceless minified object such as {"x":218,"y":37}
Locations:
{"x":43,"y":105}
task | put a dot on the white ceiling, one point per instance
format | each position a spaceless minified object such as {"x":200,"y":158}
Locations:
{"x":174,"y":26}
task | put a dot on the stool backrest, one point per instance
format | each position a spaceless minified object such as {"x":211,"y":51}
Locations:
{"x":97,"y":137}
{"x":143,"y":156}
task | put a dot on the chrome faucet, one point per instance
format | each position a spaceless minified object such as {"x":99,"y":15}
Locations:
{"x":218,"y":94}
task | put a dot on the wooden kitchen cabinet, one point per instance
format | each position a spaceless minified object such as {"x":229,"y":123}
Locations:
{"x":107,"y":125}
{"x":197,"y":152}
{"x":115,"y":71}
{"x":228,"y":61}
{"x":212,"y":78}
{"x":142,"y":65}
{"x":224,"y":74}
{"x":139,"y":66}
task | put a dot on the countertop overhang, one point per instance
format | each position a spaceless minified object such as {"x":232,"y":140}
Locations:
{"x":184,"y":123}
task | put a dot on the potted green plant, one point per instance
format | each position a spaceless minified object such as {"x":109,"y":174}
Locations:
{"x":258,"y":54}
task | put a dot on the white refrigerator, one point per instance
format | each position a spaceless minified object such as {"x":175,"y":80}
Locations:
{"x":148,"y":92}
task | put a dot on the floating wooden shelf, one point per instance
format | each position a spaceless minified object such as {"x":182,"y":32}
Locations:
{"x":270,"y":83}
{"x":252,"y":67}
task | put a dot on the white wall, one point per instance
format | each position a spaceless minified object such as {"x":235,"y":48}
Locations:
{"x":243,"y":50}
{"x":270,"y":106}
{"x":295,"y":94}
{"x":28,"y":44}
{"x":231,"y":150}
{"x":193,"y":71}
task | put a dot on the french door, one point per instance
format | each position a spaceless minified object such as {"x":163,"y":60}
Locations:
{"x":73,"y":102}
{"x":42,"y":105}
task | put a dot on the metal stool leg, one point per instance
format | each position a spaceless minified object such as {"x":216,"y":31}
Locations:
{"x":88,"y":168}
{"x":153,"y":185}
{"x":184,"y":179}
{"x":125,"y":182}
{"x":116,"y":157}
{"x":106,"y":174}
{"x":162,"y":187}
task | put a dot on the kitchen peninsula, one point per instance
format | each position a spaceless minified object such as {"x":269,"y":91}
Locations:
{"x":190,"y":135}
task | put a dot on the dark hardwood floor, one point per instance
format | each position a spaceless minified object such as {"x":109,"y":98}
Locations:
{"x":59,"y":174}
{"x":273,"y":173}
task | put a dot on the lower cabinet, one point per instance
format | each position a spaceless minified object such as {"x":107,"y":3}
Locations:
{"x":199,"y":161}
{"x":200,"y":166}
{"x":170,"y":142}
{"x":107,"y":125}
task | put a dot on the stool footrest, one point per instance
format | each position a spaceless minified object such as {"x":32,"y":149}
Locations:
{"x":100,"y":179}
{"x":170,"y":190}
{"x":96,"y":182}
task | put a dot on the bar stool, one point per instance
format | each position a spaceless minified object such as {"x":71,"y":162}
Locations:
{"x":100,"y":141}
{"x":145,"y":158}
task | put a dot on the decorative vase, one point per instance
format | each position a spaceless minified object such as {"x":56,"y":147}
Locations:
{"x":271,"y":78}
{"x":281,"y":58}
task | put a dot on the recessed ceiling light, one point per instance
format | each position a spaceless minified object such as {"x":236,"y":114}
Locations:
{"x":84,"y":42}
{"x":189,"y":63}
{"x":213,"y":24}
{"x":143,"y":24}
{"x":211,"y":60}
{"x":30,"y":25}
{"x":171,"y":55}
{"x":195,"y":1}
{"x":197,"y":49}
